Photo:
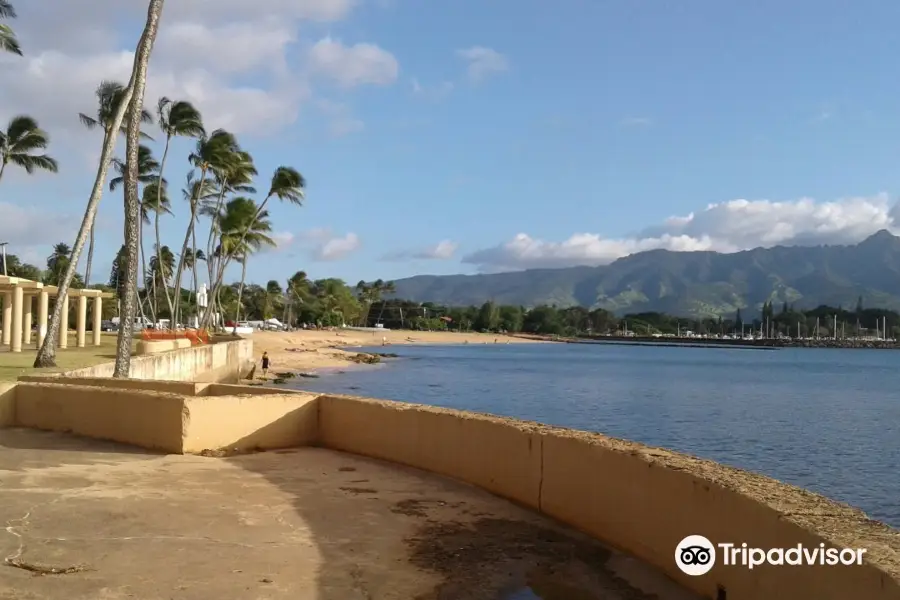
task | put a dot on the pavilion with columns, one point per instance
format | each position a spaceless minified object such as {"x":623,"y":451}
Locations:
{"x":19,"y":299}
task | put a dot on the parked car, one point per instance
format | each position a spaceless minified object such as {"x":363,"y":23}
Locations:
{"x":108,"y":326}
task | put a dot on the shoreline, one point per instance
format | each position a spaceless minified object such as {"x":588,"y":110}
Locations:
{"x":313,"y":351}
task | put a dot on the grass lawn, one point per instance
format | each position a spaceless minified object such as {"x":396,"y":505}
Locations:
{"x":13,"y":365}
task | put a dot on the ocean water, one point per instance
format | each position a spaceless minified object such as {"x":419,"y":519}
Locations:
{"x":827,"y":420}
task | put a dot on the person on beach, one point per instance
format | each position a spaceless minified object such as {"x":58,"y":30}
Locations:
{"x":265,"y":364}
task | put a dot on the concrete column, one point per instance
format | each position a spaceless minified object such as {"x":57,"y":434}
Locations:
{"x":43,"y":305}
{"x":98,"y":315}
{"x":7,"y":318}
{"x":16,"y":342}
{"x":64,"y":324}
{"x":27,"y":318}
{"x":81,"y":322}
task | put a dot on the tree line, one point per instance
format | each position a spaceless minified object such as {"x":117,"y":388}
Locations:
{"x":786,"y":321}
{"x":331,"y":302}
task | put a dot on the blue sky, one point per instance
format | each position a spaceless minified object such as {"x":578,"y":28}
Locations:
{"x":600,"y":118}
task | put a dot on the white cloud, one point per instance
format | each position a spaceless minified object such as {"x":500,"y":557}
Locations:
{"x":283,"y":240}
{"x":355,"y":65}
{"x":196,"y":44}
{"x":724,"y":227}
{"x":440,"y":251}
{"x":31,"y":231}
{"x":483,"y":62}
{"x":443,"y":250}
{"x":434,"y":92}
{"x":241,"y":63}
{"x":324,"y":245}
{"x":341,"y":121}
{"x":313,"y":10}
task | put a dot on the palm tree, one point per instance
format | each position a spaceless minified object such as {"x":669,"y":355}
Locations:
{"x":287,"y":185}
{"x":148,"y":174}
{"x":195,"y":192}
{"x":213,"y":153}
{"x":132,"y":202}
{"x":110,"y":96}
{"x":235,"y":176}
{"x":18,"y":143}
{"x":274,"y":296}
{"x":191,"y":258}
{"x":236,"y":240}
{"x":383,"y":288}
{"x":155,"y":200}
{"x":47,"y":353}
{"x":162,"y":266}
{"x":115,"y":274}
{"x":176,"y":118}
{"x":58,"y":263}
{"x":299,"y":288}
{"x":147,"y":169}
{"x":8,"y":41}
{"x":369,"y":294}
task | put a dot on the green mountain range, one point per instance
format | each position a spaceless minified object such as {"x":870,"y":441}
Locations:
{"x":695,"y":284}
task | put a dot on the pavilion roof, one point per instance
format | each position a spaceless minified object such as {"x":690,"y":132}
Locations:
{"x":7,"y":284}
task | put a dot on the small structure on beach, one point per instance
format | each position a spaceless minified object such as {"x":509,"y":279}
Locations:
{"x":19,"y":298}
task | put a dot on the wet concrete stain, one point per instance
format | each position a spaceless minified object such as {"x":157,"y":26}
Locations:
{"x":501,"y":559}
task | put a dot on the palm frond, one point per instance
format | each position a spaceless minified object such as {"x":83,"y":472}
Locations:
{"x":288,"y":184}
{"x":87,"y":121}
{"x":184,"y":119}
{"x":31,"y":163}
{"x":6,"y":10}
{"x":8,"y":41}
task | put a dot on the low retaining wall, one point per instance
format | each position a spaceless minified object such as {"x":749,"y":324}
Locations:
{"x":169,"y":416}
{"x":149,"y":419}
{"x":7,"y":404}
{"x":144,"y":347}
{"x":250,"y":422}
{"x":642,"y":500}
{"x":224,"y":361}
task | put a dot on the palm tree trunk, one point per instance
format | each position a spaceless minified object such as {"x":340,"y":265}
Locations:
{"x":213,"y":229}
{"x":159,"y":190}
{"x":133,"y":222}
{"x":184,"y":247}
{"x":195,"y":199}
{"x":237,"y":316}
{"x":2,"y":168}
{"x":46,"y":355}
{"x":194,"y":264}
{"x":160,"y":276}
{"x":90,"y":259}
{"x":154,"y":278}
{"x":193,"y":300}
{"x":150,"y":301}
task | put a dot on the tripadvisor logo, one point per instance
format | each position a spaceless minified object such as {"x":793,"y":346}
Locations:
{"x":695,"y":555}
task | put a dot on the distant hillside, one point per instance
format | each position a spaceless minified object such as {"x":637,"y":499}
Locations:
{"x":690,"y":283}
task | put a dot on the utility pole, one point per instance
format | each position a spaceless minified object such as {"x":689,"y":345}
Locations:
{"x":3,"y":253}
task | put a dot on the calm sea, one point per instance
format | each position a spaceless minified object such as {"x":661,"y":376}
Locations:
{"x":827,"y":420}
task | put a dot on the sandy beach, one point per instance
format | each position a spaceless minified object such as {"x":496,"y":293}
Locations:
{"x":310,"y":350}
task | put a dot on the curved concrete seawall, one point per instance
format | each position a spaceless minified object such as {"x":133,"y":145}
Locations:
{"x":642,"y":500}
